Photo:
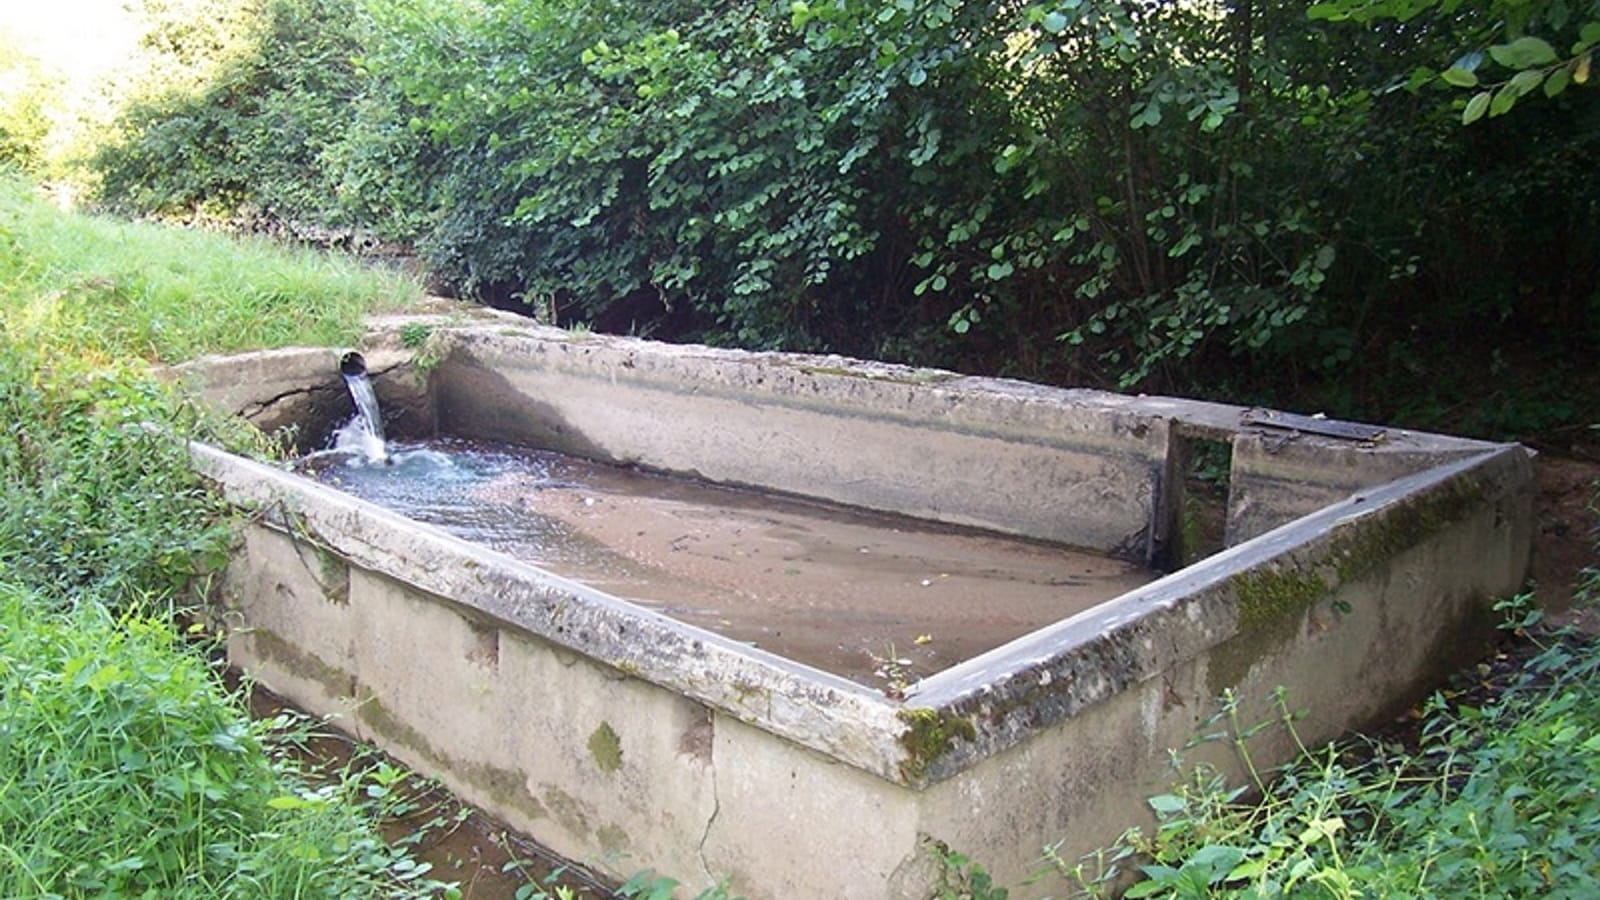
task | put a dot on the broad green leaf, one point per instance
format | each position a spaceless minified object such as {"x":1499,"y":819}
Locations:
{"x":1523,"y":53}
{"x":1503,"y":101}
{"x":1217,"y":859}
{"x":1459,"y":77}
{"x":1184,"y":244}
{"x":1166,"y":803}
{"x":1524,"y":82}
{"x":1476,"y":107}
{"x":1055,"y":23}
{"x":1557,"y":82}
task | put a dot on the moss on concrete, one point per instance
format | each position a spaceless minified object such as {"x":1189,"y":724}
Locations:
{"x":1272,"y":604}
{"x":605,"y":747}
{"x":566,"y":811}
{"x":491,"y":784}
{"x":613,"y":839}
{"x":1372,"y":542}
{"x":333,"y":577}
{"x":270,"y":647}
{"x":1267,"y":596}
{"x":928,"y":736}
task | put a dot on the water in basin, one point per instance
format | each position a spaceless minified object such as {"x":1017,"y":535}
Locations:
{"x":881,"y":599}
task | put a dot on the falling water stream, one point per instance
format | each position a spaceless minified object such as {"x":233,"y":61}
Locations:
{"x":364,"y":433}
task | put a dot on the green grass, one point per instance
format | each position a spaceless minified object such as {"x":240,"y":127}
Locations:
{"x":118,"y":290}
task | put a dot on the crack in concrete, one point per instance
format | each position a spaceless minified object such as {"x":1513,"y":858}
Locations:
{"x":260,"y":406}
{"x":716,"y":804}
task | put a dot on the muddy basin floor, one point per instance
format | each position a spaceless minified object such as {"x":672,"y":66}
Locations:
{"x":876,"y":598}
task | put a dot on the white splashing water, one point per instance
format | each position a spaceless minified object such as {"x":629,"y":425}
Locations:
{"x":364,"y":433}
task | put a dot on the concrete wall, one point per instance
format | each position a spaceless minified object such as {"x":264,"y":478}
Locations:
{"x":1353,"y":613}
{"x":1072,"y":467}
{"x":1358,"y":573}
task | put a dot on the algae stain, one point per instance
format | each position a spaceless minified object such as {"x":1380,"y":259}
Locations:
{"x":606,"y":748}
{"x":269,"y":647}
{"x":505,"y":786}
{"x":1268,"y":597}
{"x":1272,"y":604}
{"x":613,"y":839}
{"x":1374,"y":543}
{"x":333,"y":577}
{"x":565,"y":810}
{"x":929,"y":736}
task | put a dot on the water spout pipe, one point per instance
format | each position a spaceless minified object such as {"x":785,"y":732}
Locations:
{"x":352,"y":363}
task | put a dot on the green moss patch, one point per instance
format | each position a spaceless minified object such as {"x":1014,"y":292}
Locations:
{"x":928,"y":736}
{"x":605,"y":747}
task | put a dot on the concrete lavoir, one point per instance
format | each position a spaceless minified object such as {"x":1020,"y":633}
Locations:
{"x":1352,"y":574}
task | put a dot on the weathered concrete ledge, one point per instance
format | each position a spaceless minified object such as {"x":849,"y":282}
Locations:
{"x":1354,"y":574}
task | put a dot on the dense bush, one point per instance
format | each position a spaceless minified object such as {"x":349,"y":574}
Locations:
{"x":235,"y":113}
{"x":1220,"y":198}
{"x":25,"y":94}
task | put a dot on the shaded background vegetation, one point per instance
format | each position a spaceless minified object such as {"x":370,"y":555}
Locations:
{"x":1234,"y":200}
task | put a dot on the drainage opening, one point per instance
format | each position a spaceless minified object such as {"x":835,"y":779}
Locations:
{"x":1203,"y":513}
{"x":1196,"y":515}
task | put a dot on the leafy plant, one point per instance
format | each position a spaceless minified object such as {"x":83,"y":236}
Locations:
{"x":1489,"y":803}
{"x":25,"y":96}
{"x":647,"y":885}
{"x":1532,"y":62}
{"x":130,"y":771}
{"x":963,"y":879}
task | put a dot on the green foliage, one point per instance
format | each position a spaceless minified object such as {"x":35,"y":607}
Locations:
{"x":129,"y":771}
{"x":242,"y":104}
{"x":1493,"y":802}
{"x":1218,"y":199}
{"x":647,"y":885}
{"x":963,"y":879}
{"x":25,"y":96}
{"x":1531,"y":62}
{"x":100,"y":496}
